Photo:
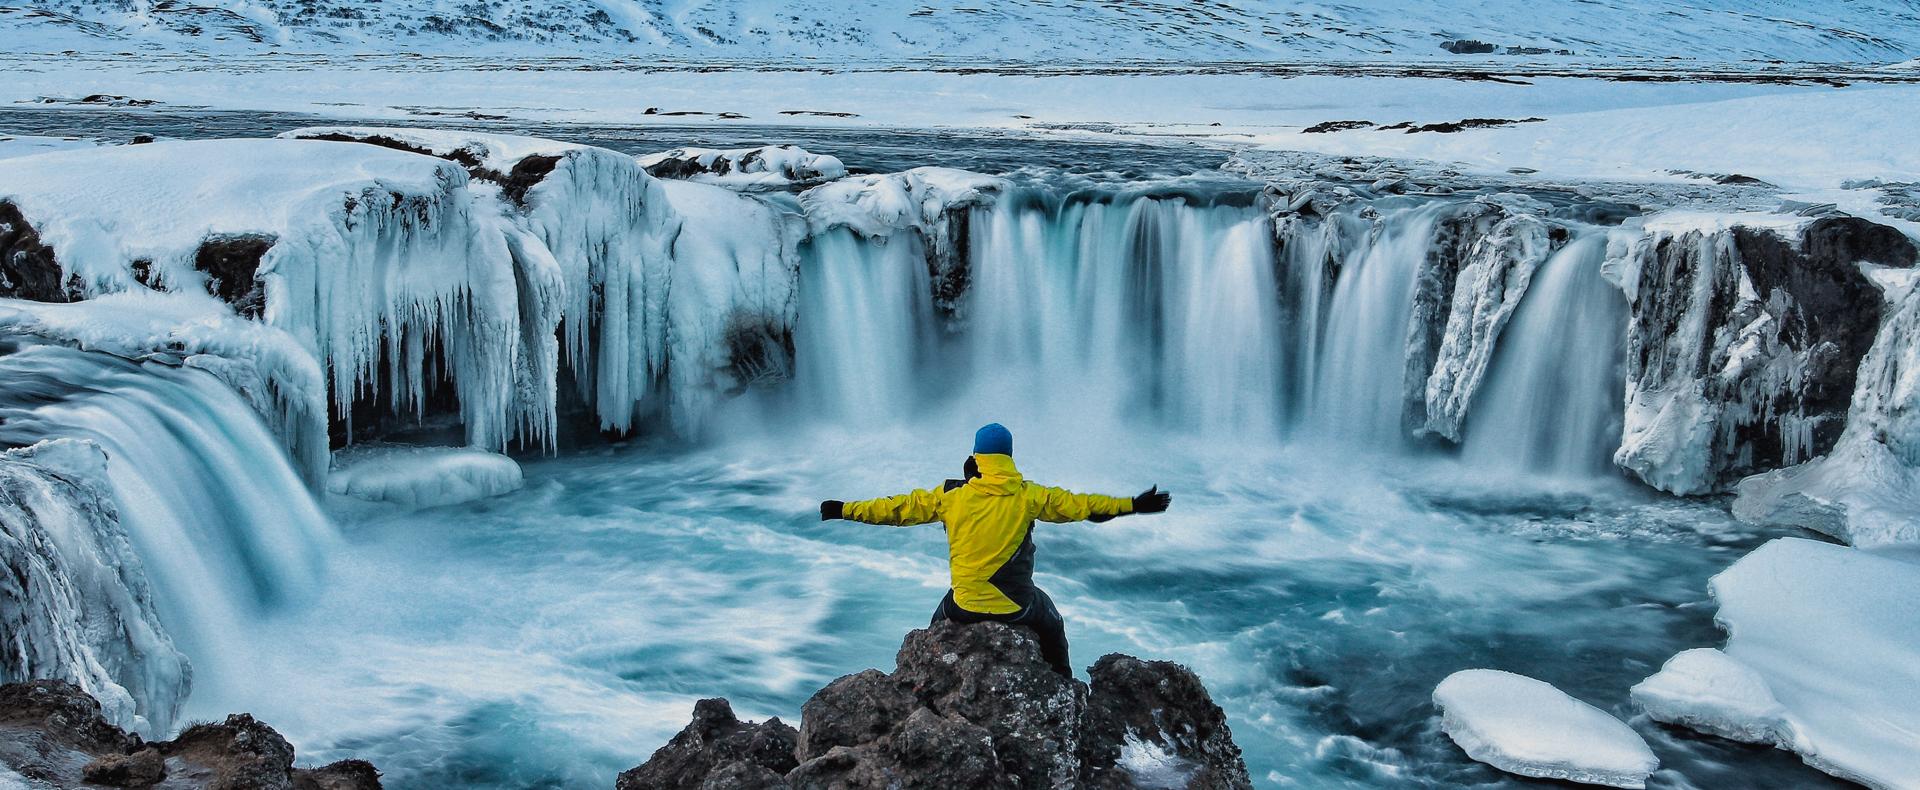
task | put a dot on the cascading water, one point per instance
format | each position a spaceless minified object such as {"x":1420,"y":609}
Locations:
{"x":1552,"y":404}
{"x":223,"y":523}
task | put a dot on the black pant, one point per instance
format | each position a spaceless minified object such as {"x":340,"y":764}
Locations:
{"x":1037,"y":615}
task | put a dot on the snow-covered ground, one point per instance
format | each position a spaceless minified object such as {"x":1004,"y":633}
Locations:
{"x":1820,"y":659}
{"x":967,"y":31}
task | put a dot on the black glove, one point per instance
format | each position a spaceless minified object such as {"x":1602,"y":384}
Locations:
{"x":834,"y":509}
{"x":1152,"y":500}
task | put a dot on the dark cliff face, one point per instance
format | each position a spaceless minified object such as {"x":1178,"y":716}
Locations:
{"x":52,"y":732}
{"x":1769,"y":327}
{"x":968,"y":706}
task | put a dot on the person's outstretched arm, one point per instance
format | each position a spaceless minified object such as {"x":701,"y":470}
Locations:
{"x":905,"y":510}
{"x":1060,"y":505}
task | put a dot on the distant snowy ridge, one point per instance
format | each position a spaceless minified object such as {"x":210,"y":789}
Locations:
{"x":1872,"y":31}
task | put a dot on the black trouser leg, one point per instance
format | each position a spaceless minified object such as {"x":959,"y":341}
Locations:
{"x":1039,"y":616}
{"x":1045,"y":620}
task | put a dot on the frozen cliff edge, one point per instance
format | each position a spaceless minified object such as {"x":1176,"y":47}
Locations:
{"x":1822,"y":658}
{"x":74,"y":600}
{"x":967,"y":706}
{"x":53,"y":735}
{"x":1746,"y":338}
{"x":1866,"y":491}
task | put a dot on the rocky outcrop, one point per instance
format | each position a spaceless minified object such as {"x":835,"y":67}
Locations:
{"x":51,"y":732}
{"x":1744,"y":343}
{"x":967,"y":706}
{"x":1487,"y":291}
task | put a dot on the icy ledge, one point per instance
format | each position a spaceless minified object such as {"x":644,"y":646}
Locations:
{"x":1527,"y":727}
{"x":770,"y":167}
{"x":1822,"y":659}
{"x":421,"y":476}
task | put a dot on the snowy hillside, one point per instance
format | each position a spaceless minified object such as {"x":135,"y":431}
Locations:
{"x":1868,"y":31}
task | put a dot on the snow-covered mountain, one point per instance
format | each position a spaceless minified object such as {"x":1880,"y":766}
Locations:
{"x":1869,"y":31}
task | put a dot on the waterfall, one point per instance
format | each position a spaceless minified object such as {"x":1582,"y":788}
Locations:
{"x":1552,"y":405}
{"x":225,"y":526}
{"x":1095,"y":308}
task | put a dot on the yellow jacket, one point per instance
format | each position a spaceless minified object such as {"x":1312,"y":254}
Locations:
{"x":989,"y":528}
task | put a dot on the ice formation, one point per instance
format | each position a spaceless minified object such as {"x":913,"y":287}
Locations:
{"x":1745,"y":334}
{"x":74,"y":599}
{"x":875,"y":206}
{"x":421,"y":476}
{"x":773,"y":167}
{"x":223,"y":524}
{"x":1866,"y":491}
{"x":267,"y":366}
{"x":1822,"y":658}
{"x":1527,"y":727}
{"x":1709,"y":691}
{"x":1488,"y":291}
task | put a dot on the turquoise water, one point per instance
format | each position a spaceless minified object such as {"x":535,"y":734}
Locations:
{"x":554,"y":637}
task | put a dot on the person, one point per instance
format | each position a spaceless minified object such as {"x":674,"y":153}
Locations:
{"x":989,"y":519}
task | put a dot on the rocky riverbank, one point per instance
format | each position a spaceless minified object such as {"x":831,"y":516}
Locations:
{"x":52,"y":735}
{"x":967,"y":706}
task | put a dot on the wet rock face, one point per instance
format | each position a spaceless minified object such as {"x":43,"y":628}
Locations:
{"x":1163,"y":708}
{"x":718,"y":750}
{"x":27,"y":267}
{"x":230,"y":263}
{"x":1760,"y":334}
{"x":968,"y":706}
{"x":52,"y":732}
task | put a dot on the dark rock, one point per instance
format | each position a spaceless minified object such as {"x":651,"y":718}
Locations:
{"x":1449,"y":127}
{"x":230,"y":263}
{"x":53,"y":732}
{"x":1165,"y":705}
{"x":140,"y":769}
{"x":1335,"y":126}
{"x":141,"y":139}
{"x":715,"y":739}
{"x":28,"y":269}
{"x":1467,"y":46}
{"x":240,"y":753}
{"x":343,"y":775}
{"x":970,"y":706}
{"x":68,"y":716}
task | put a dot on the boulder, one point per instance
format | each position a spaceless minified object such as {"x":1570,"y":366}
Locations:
{"x":970,"y":706}
{"x":54,"y":733}
{"x":717,"y":750}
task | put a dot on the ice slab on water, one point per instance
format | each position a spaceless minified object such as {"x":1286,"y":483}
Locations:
{"x":1712,"y":692}
{"x":767,"y":167}
{"x":421,"y":476}
{"x":1831,"y":636}
{"x":1528,"y":727}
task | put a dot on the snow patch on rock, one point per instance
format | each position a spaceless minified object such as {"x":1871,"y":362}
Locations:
{"x":769,"y":167}
{"x":877,"y":206}
{"x":1528,"y":727}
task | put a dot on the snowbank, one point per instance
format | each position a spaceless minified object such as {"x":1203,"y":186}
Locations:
{"x":1527,"y":727}
{"x":497,"y":153}
{"x":767,"y":167}
{"x":12,"y":145}
{"x":74,"y":599}
{"x":880,"y":205}
{"x":1822,"y":658}
{"x":421,"y":476}
{"x":1867,"y":490}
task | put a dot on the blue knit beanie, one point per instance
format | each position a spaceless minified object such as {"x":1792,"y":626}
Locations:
{"x":993,"y":439}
